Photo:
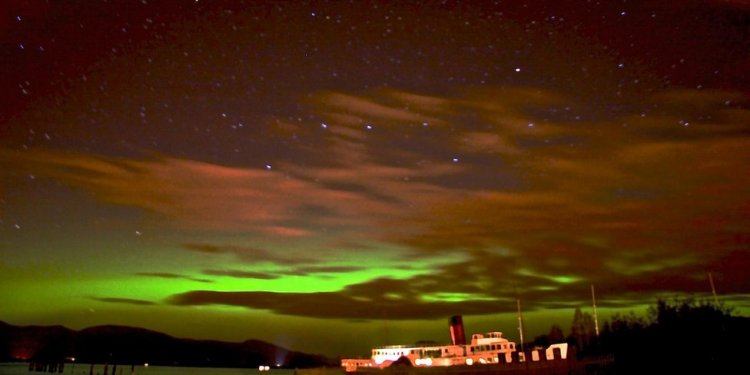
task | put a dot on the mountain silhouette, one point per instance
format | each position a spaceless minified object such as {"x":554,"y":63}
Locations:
{"x":130,"y":345}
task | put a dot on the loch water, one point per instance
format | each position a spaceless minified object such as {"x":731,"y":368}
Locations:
{"x":85,"y":369}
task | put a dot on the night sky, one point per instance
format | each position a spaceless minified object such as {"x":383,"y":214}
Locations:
{"x":330,"y":176}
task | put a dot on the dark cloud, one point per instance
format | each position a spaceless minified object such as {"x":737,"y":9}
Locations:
{"x":330,"y":305}
{"x":127,"y":301}
{"x":294,"y":271}
{"x":205,"y":248}
{"x":249,"y":255}
{"x":486,"y":283}
{"x":242,"y":274}
{"x":320,"y":269}
{"x":170,"y":275}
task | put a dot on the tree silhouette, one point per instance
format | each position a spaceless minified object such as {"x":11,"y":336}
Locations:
{"x":678,"y":336}
{"x":582,"y":331}
{"x":556,"y":334}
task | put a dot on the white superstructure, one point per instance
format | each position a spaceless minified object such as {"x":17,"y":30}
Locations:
{"x":484,"y":348}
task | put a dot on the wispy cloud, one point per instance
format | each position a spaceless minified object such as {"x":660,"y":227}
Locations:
{"x":544,"y":192}
{"x":279,"y":273}
{"x":486,"y":283}
{"x":249,"y":254}
{"x":242,"y":274}
{"x":170,"y":275}
{"x":127,"y":301}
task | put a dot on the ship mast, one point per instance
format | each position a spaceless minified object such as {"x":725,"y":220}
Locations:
{"x":520,"y":323}
{"x":713,"y":289}
{"x":593,"y":303}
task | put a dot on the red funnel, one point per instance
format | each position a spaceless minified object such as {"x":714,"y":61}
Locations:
{"x":458,"y":336}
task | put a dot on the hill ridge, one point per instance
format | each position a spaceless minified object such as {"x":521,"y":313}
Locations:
{"x":111,"y":343}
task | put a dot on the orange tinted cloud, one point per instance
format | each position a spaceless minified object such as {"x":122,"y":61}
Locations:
{"x":550,"y":192}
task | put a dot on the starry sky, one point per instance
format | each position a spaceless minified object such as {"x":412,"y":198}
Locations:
{"x":330,"y":176}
